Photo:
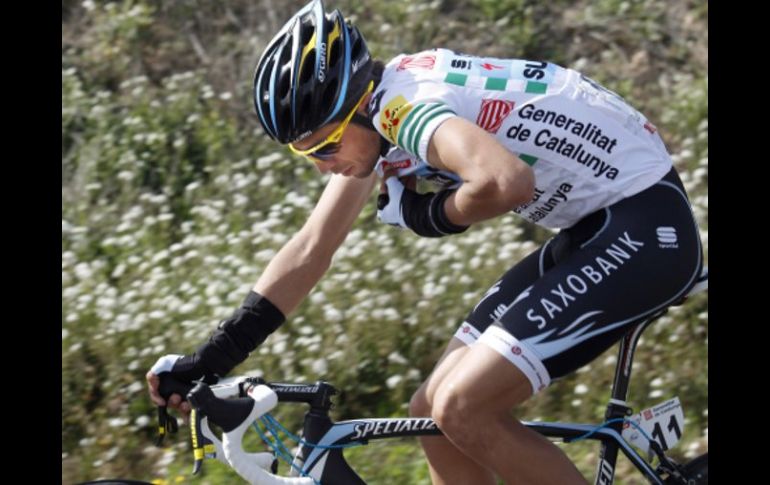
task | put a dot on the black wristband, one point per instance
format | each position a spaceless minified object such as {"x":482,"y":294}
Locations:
{"x":438,"y":212}
{"x":240,"y":334}
{"x":425,"y":214}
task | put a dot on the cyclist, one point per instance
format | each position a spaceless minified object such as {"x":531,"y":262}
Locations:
{"x":494,"y":135}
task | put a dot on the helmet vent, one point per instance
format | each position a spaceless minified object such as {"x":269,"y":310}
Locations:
{"x":283,"y":85}
{"x":306,"y":33}
{"x":330,"y":93}
{"x":334,"y":53}
{"x":356,"y":50}
{"x":307,"y":67}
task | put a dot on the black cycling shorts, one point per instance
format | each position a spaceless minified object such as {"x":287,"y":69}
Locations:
{"x":575,"y":296}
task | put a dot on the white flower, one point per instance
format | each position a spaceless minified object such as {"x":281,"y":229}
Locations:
{"x":117,"y":422}
{"x":393,"y":381}
{"x":397,"y":358}
{"x":319,"y":366}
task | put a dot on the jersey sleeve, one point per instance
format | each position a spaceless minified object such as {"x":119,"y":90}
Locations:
{"x":407,"y":111}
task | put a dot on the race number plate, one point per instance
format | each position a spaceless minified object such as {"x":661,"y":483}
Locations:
{"x":663,"y":423}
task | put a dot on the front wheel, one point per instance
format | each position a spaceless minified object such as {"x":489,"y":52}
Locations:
{"x":696,"y":471}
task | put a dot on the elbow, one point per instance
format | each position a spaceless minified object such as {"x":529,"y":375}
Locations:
{"x":524,"y":189}
{"x":310,"y":251}
{"x":514,"y":188}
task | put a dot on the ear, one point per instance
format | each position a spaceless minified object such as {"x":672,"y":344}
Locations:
{"x":363,"y":108}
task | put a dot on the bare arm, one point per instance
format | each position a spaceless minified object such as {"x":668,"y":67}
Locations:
{"x":494,"y":179}
{"x":301,"y":262}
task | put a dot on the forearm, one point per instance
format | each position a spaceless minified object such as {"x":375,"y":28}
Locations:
{"x":495,"y":180}
{"x":464,"y":208}
{"x":476,"y":202}
{"x":292,"y":273}
{"x":302,"y":262}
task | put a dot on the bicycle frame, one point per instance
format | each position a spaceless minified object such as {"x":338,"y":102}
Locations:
{"x":325,"y":461}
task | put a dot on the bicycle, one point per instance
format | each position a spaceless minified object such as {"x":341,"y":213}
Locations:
{"x":236,"y":403}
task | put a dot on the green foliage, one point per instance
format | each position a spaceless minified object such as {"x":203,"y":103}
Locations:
{"x":173,"y":203}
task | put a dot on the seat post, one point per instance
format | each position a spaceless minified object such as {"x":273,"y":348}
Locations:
{"x":628,"y":344}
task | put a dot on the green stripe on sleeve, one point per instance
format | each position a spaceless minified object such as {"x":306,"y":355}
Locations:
{"x":425,"y":121}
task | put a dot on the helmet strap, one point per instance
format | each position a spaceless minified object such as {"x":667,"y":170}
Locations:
{"x":362,"y":120}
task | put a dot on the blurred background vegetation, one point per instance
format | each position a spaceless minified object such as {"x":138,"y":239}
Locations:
{"x":173,"y":201}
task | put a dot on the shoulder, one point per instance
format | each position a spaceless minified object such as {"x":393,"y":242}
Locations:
{"x":411,"y":91}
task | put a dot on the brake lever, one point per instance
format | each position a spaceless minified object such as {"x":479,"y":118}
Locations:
{"x":166,"y":424}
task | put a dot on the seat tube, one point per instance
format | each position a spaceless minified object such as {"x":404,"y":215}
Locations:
{"x":617,"y":407}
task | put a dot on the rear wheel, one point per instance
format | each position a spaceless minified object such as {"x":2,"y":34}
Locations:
{"x":696,"y":471}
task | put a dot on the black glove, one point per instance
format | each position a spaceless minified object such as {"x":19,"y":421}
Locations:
{"x":228,"y":346}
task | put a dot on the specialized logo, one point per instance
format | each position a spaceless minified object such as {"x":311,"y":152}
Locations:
{"x":492,"y":113}
{"x":667,"y":237}
{"x":516,"y":350}
{"x":377,"y":427}
{"x":300,"y":388}
{"x":392,"y":117}
{"x":605,"y":472}
{"x":420,"y":62}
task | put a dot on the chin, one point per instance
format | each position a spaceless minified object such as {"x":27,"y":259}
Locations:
{"x":364,"y":174}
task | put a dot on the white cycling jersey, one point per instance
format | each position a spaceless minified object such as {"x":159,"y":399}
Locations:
{"x":588,"y":148}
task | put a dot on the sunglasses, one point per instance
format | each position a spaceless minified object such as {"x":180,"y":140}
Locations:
{"x":331,"y":144}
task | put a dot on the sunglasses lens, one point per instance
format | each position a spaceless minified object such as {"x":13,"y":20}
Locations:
{"x":326,"y":151}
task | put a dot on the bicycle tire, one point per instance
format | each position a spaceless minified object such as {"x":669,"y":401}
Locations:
{"x":696,"y":470}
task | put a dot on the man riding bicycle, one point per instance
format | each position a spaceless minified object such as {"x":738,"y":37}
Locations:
{"x":493,"y":135}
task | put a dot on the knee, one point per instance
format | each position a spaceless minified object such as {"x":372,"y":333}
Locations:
{"x":419,"y":406}
{"x":453,"y":412}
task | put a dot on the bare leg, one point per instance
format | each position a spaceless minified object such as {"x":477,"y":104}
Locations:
{"x":472,"y":407}
{"x":447,"y":464}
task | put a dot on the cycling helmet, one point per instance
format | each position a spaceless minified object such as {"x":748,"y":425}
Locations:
{"x":313,"y":72}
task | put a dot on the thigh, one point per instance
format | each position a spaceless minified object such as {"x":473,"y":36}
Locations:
{"x":504,"y":291}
